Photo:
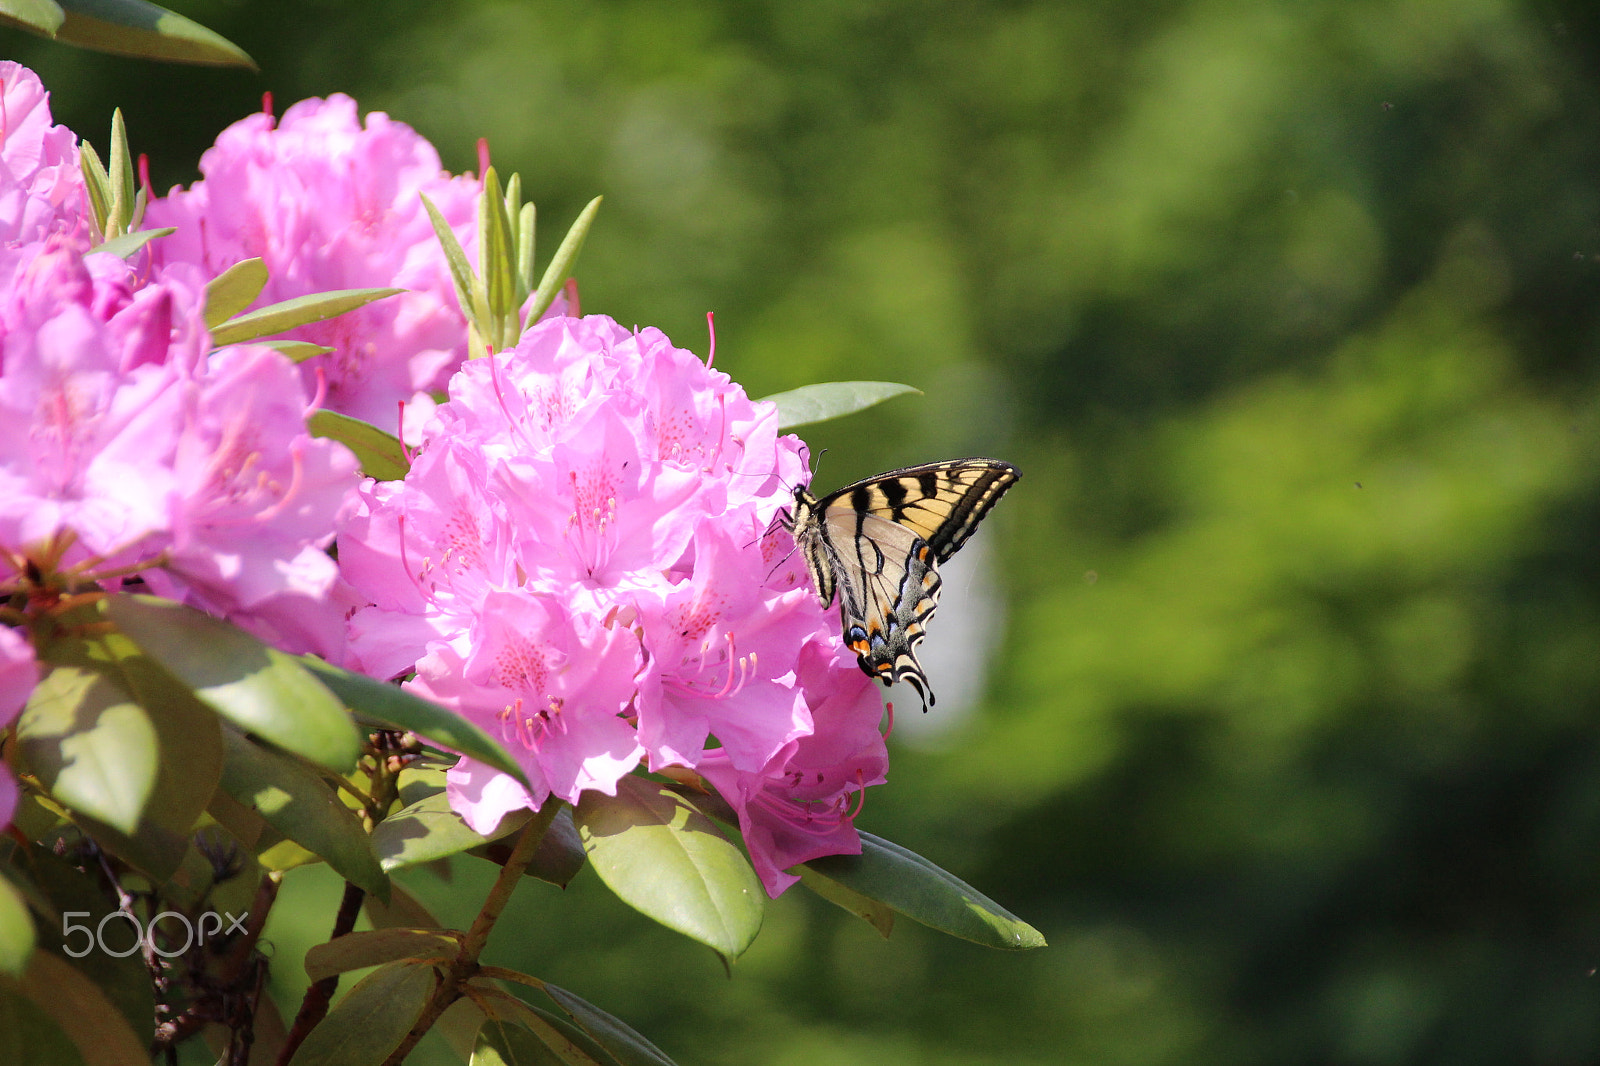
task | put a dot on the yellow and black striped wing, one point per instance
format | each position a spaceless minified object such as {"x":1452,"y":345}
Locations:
{"x":878,"y":543}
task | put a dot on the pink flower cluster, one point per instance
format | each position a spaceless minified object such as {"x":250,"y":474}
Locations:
{"x":581,"y":561}
{"x":327,"y":203}
{"x":41,"y":185}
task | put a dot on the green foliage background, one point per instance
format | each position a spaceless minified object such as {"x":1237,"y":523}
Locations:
{"x":1291,"y":742}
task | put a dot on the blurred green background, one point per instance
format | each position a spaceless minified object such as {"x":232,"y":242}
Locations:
{"x":1289,"y":735}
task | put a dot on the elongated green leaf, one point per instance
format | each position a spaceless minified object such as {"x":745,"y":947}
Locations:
{"x":296,"y":351}
{"x":233,"y":290}
{"x":668,"y":861}
{"x":369,"y":1023}
{"x":16,"y":930}
{"x":922,"y":892}
{"x":562,"y":264}
{"x":137,"y":28}
{"x":43,"y":17}
{"x":395,"y":708}
{"x":303,"y":807}
{"x":626,"y":1045}
{"x":875,"y":913}
{"x":454,"y":254}
{"x":357,"y":951}
{"x":278,"y":317}
{"x":429,"y":830}
{"x":566,"y":1043}
{"x":507,"y":1044}
{"x":95,"y":1027}
{"x":28,"y":1035}
{"x":832,"y":399}
{"x":380,"y":454}
{"x":92,"y":747}
{"x":256,"y":687}
{"x":128,"y":243}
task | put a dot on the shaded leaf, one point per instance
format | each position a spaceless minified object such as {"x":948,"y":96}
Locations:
{"x":43,"y":17}
{"x":403,"y":911}
{"x":303,"y":807}
{"x":429,"y":830}
{"x":832,"y":399}
{"x":381,"y":455}
{"x":137,"y":28}
{"x":668,"y":861}
{"x":92,"y":747}
{"x":16,"y":930}
{"x":233,"y":290}
{"x":369,"y":1023}
{"x":502,"y":1043}
{"x":611,"y":1033}
{"x":558,"y":858}
{"x":921,"y":891}
{"x":128,"y":243}
{"x":393,"y":707}
{"x":28,"y":1035}
{"x":875,"y":913}
{"x":279,"y":317}
{"x":570,"y":1043}
{"x":255,"y":686}
{"x":357,"y":951}
{"x":95,"y":1027}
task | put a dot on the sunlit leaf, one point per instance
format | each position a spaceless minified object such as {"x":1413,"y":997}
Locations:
{"x":255,"y":686}
{"x":832,"y":399}
{"x":128,"y":243}
{"x":279,"y":317}
{"x":380,"y":454}
{"x":16,"y":930}
{"x":921,"y":891}
{"x":303,"y":807}
{"x":296,"y":351}
{"x":429,"y":830}
{"x":668,"y":861}
{"x":92,"y":747}
{"x":43,"y":17}
{"x":137,"y":28}
{"x":395,"y":708}
{"x":233,"y":290}
{"x":356,"y":951}
{"x":562,"y":263}
{"x":369,"y":1023}
{"x":875,"y":913}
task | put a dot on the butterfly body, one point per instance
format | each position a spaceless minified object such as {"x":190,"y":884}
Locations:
{"x":877,"y":545}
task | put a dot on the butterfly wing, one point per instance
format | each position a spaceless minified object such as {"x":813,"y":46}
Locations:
{"x":879,"y":542}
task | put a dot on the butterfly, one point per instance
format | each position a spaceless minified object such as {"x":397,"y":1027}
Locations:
{"x":878,"y":543}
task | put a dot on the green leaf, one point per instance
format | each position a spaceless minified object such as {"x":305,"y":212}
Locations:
{"x":875,"y":913}
{"x":357,"y":951}
{"x":832,"y":399}
{"x":128,"y":243}
{"x":369,"y":1023}
{"x":92,"y":747}
{"x":16,"y":930}
{"x":123,"y":185}
{"x":303,"y":807}
{"x":626,"y":1045}
{"x":558,"y":858}
{"x":394,"y":708}
{"x":668,"y":861}
{"x":561,"y":266}
{"x":429,"y":830}
{"x":300,"y":311}
{"x":43,"y":17}
{"x":233,"y":290}
{"x":95,"y":1027}
{"x":137,"y":28}
{"x":28,"y":1036}
{"x":502,"y":1043}
{"x":496,"y":256}
{"x":97,"y":183}
{"x":380,"y":454}
{"x":922,"y":892}
{"x":403,"y":911}
{"x":297,"y":351}
{"x":257,"y":687}
{"x":568,"y":1043}
{"x":455,"y":255}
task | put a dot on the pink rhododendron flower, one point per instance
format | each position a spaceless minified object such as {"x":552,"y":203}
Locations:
{"x":327,"y":203}
{"x":41,"y":186}
{"x":582,"y":561}
{"x":129,"y":448}
{"x":18,"y":674}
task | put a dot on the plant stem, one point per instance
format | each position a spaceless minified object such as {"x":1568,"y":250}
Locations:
{"x":465,"y":964}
